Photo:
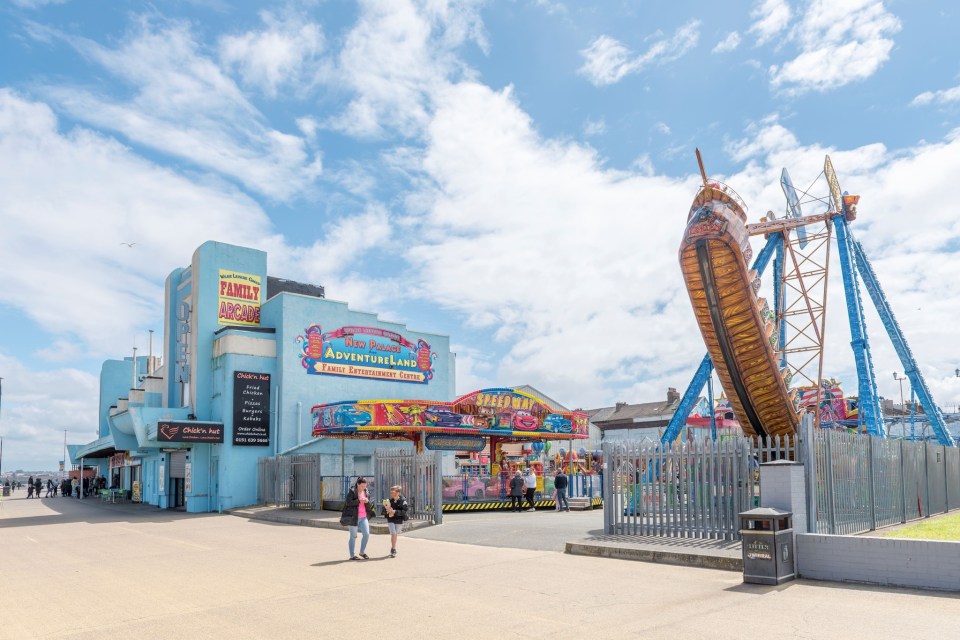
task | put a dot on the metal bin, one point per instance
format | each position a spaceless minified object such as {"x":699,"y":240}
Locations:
{"x":767,"y":536}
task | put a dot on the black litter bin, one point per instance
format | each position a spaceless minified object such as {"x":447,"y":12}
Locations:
{"x":767,"y":546}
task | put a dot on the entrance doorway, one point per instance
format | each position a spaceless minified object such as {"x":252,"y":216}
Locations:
{"x":178,"y":472}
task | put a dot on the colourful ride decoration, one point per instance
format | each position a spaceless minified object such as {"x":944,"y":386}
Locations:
{"x":500,"y":412}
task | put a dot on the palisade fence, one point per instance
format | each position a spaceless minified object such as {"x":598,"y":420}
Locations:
{"x":292,"y":481}
{"x":685,"y":489}
{"x":417,"y":474}
{"x":857,"y":483}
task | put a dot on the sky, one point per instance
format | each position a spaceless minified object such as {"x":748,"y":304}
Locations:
{"x":515,"y":174}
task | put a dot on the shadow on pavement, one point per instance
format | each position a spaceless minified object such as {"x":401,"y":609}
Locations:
{"x":761,"y":589}
{"x":62,"y":510}
{"x":329,"y":563}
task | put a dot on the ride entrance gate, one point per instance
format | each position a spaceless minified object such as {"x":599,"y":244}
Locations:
{"x":291,"y":481}
{"x":685,"y":490}
{"x":418,"y":476}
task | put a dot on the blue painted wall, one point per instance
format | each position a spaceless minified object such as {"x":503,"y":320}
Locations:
{"x":223,"y":475}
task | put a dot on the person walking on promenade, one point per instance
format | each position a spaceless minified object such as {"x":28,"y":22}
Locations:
{"x":397,"y":513}
{"x":49,"y":488}
{"x":37,"y":485}
{"x":357,"y":508}
{"x":30,"y":488}
{"x":530,"y":483}
{"x":516,"y":492}
{"x":560,"y":484}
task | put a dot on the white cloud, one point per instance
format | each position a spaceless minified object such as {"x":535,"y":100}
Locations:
{"x":607,"y":60}
{"x":71,"y":198}
{"x":594,"y":127}
{"x":596,"y":311}
{"x":770,"y":19}
{"x":501,"y":187}
{"x":730,"y":43}
{"x":662,"y":128}
{"x":840,"y":43}
{"x":185,"y":106}
{"x":287,"y":53}
{"x":38,"y":406}
{"x":943,"y":96}
{"x":395,"y":57}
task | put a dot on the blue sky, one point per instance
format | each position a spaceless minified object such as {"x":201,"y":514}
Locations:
{"x":514,"y":174}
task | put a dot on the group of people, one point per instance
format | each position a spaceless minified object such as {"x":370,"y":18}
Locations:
{"x":524,"y":485}
{"x":35,"y":486}
{"x":65,"y":487}
{"x":358,"y":508}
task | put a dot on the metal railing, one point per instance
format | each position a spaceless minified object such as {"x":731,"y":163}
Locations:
{"x":859,"y":482}
{"x":419,"y":477}
{"x":686,"y":489}
{"x":292,"y":481}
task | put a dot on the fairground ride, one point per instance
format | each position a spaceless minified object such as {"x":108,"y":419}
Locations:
{"x":769,"y":358}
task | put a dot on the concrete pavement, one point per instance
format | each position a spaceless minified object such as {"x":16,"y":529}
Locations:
{"x":88,"y":570}
{"x":579,"y":533}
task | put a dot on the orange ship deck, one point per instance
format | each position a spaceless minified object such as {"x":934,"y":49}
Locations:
{"x":713,"y":258}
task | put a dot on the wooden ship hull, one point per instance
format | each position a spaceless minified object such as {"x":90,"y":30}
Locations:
{"x":737,"y":327}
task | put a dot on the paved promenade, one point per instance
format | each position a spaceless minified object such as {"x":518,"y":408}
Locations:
{"x":90,"y":570}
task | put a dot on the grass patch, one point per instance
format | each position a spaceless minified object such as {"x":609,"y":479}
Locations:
{"x":939,"y":528}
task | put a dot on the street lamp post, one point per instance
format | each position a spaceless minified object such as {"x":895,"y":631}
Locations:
{"x":903,"y":405}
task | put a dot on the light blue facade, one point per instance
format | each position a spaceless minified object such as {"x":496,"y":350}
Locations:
{"x":195,"y":384}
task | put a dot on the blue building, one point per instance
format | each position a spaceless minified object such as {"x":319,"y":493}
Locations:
{"x":245,"y":357}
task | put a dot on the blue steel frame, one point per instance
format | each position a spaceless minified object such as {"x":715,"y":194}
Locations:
{"x":917,"y":382}
{"x":869,"y":401}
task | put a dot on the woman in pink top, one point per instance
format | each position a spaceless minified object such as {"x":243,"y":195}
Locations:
{"x":357,"y":508}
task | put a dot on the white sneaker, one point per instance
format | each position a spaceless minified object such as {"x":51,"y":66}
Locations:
{"x":532,"y":509}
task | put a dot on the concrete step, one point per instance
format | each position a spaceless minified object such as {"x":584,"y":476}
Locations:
{"x":580,"y":504}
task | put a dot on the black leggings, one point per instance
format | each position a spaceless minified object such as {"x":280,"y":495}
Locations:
{"x":530,"y":493}
{"x":516,"y":502}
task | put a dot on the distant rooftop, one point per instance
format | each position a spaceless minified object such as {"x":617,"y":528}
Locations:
{"x":645,"y":414}
{"x":276,"y":286}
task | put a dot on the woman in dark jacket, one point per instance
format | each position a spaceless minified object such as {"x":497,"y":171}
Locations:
{"x":357,"y":509}
{"x":516,"y":492}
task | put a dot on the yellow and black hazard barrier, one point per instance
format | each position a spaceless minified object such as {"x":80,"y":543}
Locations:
{"x":504,"y":505}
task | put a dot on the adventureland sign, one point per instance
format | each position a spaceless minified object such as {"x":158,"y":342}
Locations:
{"x":365,"y":352}
{"x":239,"y":296}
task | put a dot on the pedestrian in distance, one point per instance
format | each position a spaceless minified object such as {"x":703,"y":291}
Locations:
{"x":560,"y":484}
{"x":30,"y":489}
{"x":398,"y":512}
{"x":530,"y":483}
{"x":516,"y":492}
{"x":357,"y":509}
{"x":37,"y":485}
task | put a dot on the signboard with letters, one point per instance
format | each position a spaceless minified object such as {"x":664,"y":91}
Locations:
{"x":444,"y":442}
{"x":366,"y":352}
{"x":251,"y":409}
{"x":239,"y":296}
{"x":170,"y":431}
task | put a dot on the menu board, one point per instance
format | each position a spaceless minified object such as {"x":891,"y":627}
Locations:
{"x":251,"y":409}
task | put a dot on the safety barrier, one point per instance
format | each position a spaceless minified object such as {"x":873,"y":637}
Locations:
{"x":418,"y":475}
{"x":686,"y":489}
{"x":859,"y":482}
